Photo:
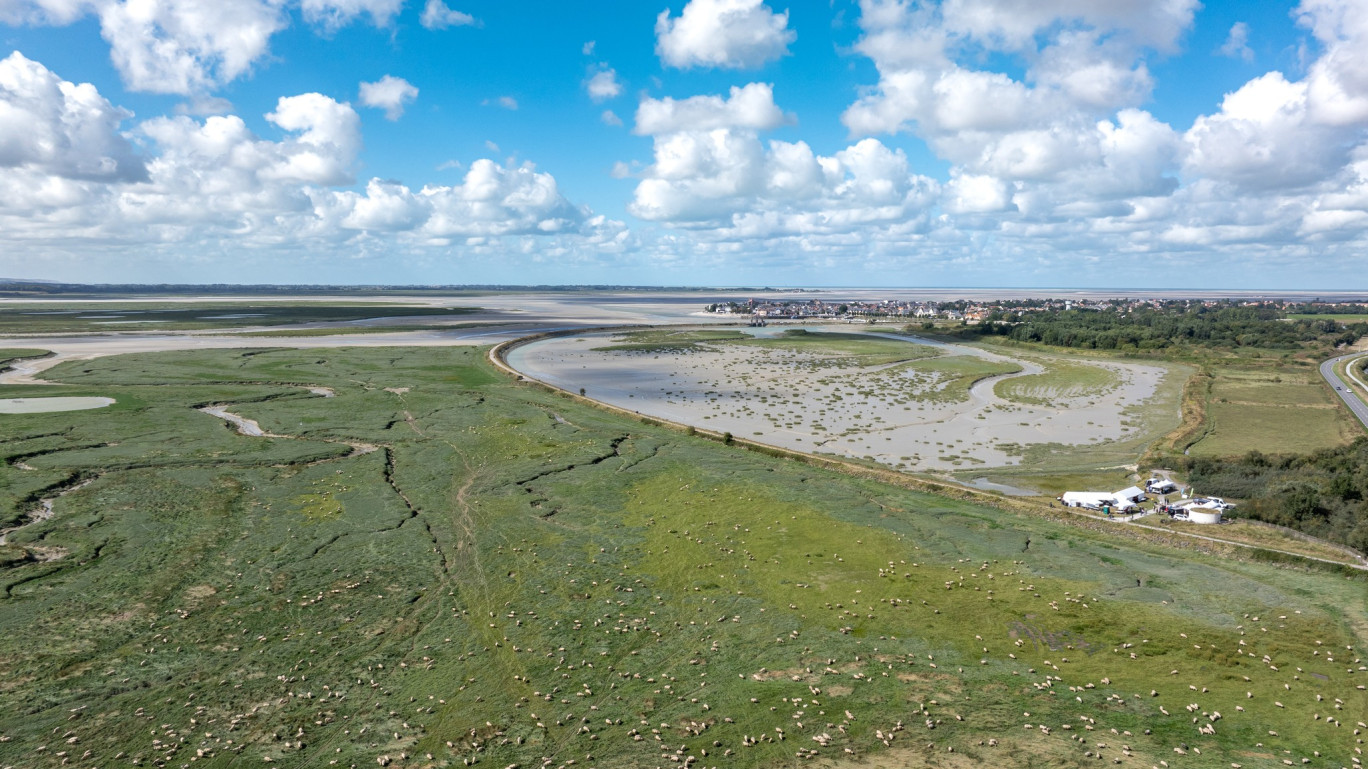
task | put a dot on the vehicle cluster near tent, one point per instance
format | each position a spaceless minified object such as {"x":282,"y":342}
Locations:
{"x":1127,"y":502}
{"x":1160,"y":486}
{"x":1124,"y":499}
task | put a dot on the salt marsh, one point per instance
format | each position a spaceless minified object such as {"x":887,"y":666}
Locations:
{"x":936,"y":407}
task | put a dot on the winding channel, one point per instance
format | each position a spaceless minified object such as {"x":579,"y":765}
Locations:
{"x":251,"y":428}
{"x":248,"y":427}
{"x":939,"y":437}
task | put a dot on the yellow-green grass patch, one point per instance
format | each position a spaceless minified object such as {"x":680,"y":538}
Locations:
{"x":1060,"y":381}
{"x":1237,"y":428}
{"x":1273,"y":410}
{"x":859,"y":349}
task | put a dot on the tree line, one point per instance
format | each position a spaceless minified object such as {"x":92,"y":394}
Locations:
{"x":1169,"y":326}
{"x":1324,"y":494}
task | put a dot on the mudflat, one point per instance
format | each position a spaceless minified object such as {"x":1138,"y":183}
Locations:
{"x":939,"y":409}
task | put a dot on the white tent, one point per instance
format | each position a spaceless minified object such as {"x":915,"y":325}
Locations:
{"x":1131,"y":494}
{"x":1160,"y":486}
{"x":1095,"y":500}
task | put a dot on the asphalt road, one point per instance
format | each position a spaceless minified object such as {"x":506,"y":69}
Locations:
{"x":1344,"y":389}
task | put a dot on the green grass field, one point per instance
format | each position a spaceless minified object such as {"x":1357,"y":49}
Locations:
{"x":1273,"y":410}
{"x":104,"y":317}
{"x":1061,"y":381}
{"x":514,"y":578}
{"x":959,"y":373}
{"x":851,"y":350}
{"x":9,"y":355}
{"x":355,"y":330}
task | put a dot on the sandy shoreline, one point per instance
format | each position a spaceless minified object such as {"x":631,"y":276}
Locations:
{"x":68,"y":348}
{"x":501,"y":317}
{"x":901,"y":419}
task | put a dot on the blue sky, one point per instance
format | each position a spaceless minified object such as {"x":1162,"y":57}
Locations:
{"x":707,"y":142}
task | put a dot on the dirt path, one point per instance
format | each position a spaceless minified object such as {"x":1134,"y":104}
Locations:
{"x":465,"y":521}
{"x":1362,"y":565}
{"x":26,"y":371}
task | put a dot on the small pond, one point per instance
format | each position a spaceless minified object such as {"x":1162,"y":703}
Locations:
{"x":45,"y":405}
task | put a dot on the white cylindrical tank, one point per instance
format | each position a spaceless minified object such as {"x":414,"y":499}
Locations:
{"x":1204,"y":516}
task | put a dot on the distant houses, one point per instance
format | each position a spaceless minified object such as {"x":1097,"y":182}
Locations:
{"x":1001,"y":311}
{"x":794,"y":309}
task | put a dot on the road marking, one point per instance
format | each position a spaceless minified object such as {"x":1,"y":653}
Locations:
{"x":1349,"y":367}
{"x":1350,"y":396}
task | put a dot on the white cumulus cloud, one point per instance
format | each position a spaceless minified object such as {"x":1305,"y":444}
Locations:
{"x":328,"y":137}
{"x":1060,"y":151}
{"x":733,"y":34}
{"x":712,"y":173}
{"x":1264,"y":137}
{"x":1236,"y":44}
{"x":187,"y":46}
{"x":68,"y":175}
{"x":42,"y":11}
{"x":728,"y":185}
{"x":976,"y":194}
{"x":751,"y":106}
{"x":603,"y":85}
{"x":192,"y":47}
{"x":53,"y":126}
{"x":1338,"y":80}
{"x":339,"y":13}
{"x":1013,"y":25}
{"x":390,"y":94}
{"x":436,"y":15}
